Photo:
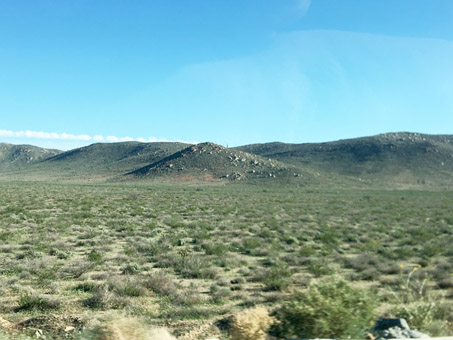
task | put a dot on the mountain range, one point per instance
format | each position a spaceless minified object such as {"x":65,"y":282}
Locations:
{"x":403,"y":160}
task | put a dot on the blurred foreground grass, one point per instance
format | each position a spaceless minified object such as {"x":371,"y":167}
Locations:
{"x":183,"y":255}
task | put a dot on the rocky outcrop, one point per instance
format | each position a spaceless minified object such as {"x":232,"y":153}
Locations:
{"x":396,"y":329}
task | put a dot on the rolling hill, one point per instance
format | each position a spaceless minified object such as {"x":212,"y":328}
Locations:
{"x":106,"y":159}
{"x":403,"y":160}
{"x":211,"y":162}
{"x":17,"y":156}
{"x":409,"y":158}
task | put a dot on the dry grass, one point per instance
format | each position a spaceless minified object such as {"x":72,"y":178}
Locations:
{"x":6,"y":325}
{"x":125,"y":329}
{"x":182,"y":254}
{"x":251,"y":324}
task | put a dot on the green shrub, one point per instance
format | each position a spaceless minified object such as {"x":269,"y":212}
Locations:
{"x":219,"y":294}
{"x":76,"y":269}
{"x":307,"y":250}
{"x":329,"y":308}
{"x":329,"y":236}
{"x":418,"y":303}
{"x":130,"y":289}
{"x":130,"y":269}
{"x":217,"y":249}
{"x":319,"y":267}
{"x":192,"y":266}
{"x":161,"y":284}
{"x":278,"y":277}
{"x":151,"y":248}
{"x":419,"y":316}
{"x":209,"y":273}
{"x":5,"y":236}
{"x":95,"y":256}
{"x":249,"y":244}
{"x":29,"y":301}
{"x":103,"y":298}
{"x":86,"y":287}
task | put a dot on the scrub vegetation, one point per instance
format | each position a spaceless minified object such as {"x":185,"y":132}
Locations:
{"x":188,"y":256}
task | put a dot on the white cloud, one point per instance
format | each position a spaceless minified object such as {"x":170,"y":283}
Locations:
{"x":6,"y":133}
{"x":73,"y":137}
{"x":43,"y":135}
{"x":70,"y":137}
{"x":156,"y":140}
{"x":112,"y":139}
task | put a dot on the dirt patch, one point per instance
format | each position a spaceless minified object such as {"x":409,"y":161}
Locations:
{"x":52,"y":326}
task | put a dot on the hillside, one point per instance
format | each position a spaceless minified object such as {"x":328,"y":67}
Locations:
{"x":17,"y":156}
{"x":210,"y":161}
{"x":402,"y":160}
{"x":107,"y":159}
{"x":409,"y":158}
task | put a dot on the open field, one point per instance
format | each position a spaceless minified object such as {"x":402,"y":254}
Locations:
{"x":181,"y":256}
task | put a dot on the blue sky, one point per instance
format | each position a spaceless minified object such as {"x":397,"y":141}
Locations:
{"x":232,"y":72}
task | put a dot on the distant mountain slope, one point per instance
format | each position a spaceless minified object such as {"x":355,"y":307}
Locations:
{"x":16,"y":156}
{"x":406,"y":157}
{"x":212,"y":162}
{"x":108,"y":158}
{"x":401,"y":160}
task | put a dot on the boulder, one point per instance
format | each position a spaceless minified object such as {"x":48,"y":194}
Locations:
{"x":396,"y":329}
{"x":384,"y":324}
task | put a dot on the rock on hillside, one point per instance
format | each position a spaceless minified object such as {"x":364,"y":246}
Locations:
{"x":208,"y":160}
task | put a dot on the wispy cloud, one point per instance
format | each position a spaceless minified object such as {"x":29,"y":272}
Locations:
{"x":303,"y":6}
{"x":72,"y":137}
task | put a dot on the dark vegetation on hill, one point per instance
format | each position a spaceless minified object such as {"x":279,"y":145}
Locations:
{"x":410,"y":158}
{"x":100,"y":160}
{"x":111,"y":158}
{"x":401,"y":160}
{"x":16,"y":156}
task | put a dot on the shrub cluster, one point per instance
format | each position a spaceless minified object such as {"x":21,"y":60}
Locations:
{"x":31,"y":301}
{"x":328,"y":309}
